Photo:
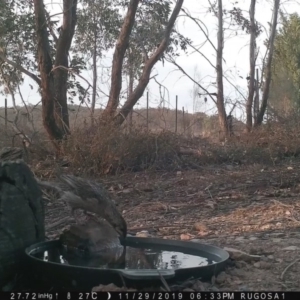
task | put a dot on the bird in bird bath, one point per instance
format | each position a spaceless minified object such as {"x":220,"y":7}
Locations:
{"x":98,"y":236}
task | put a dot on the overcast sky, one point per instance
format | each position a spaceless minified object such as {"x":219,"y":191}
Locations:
{"x":236,"y":53}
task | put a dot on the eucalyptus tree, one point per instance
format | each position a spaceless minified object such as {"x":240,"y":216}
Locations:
{"x":31,"y":46}
{"x":147,"y":32}
{"x":268,"y":66}
{"x":98,"y":26}
{"x":286,"y":63}
{"x":156,"y":53}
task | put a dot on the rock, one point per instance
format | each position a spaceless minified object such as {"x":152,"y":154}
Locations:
{"x":221,"y":278}
{"x":253,"y":238}
{"x":200,"y":286}
{"x":244,"y":288}
{"x":22,"y":216}
{"x":188,"y":290}
{"x":265,"y":265}
{"x":257,"y":264}
{"x":241,"y":264}
{"x":264,"y":258}
{"x":270,"y":257}
{"x":240,"y":273}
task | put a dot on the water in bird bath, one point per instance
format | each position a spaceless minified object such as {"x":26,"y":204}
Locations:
{"x":135,"y":259}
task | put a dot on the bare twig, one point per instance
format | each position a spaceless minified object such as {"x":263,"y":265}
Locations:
{"x":191,"y":78}
{"x":290,"y":265}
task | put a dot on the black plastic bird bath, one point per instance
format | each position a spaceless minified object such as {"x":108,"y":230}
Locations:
{"x":60,"y":276}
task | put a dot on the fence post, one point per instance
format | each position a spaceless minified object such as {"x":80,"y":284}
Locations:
{"x":183,"y":119}
{"x":176,"y":114}
{"x":5,"y":112}
{"x":147,"y":111}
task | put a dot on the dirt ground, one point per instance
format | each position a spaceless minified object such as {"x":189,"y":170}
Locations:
{"x":254,"y":209}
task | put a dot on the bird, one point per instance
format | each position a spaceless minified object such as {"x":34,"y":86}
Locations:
{"x":81,"y":193}
{"x":95,"y":243}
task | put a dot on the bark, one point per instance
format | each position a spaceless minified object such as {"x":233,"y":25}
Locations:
{"x":256,"y":98}
{"x":121,"y":47}
{"x":45,"y":66}
{"x":268,"y":67}
{"x":95,"y":78}
{"x":61,"y":59}
{"x":130,"y":86}
{"x":144,"y":79}
{"x":251,"y":86}
{"x":52,"y":81}
{"x":22,"y":217}
{"x":220,"y":97}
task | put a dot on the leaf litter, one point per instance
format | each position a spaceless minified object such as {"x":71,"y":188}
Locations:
{"x":255,"y":215}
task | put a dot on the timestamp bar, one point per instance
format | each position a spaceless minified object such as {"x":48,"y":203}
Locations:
{"x":150,"y":295}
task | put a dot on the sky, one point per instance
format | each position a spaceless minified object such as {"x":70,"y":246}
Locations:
{"x":236,"y":56}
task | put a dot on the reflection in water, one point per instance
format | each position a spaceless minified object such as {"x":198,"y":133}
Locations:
{"x":127,"y":258}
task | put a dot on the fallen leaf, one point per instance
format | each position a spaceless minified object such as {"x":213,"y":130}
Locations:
{"x":185,"y":236}
{"x":200,"y":226}
{"x":143,"y":234}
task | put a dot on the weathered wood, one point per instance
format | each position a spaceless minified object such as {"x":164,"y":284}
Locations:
{"x":21,"y":216}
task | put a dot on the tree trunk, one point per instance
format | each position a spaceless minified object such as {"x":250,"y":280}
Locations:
{"x":251,"y":86}
{"x":54,"y":80}
{"x":47,"y":80}
{"x":130,"y":86}
{"x":149,"y":64}
{"x":268,"y":71}
{"x":256,"y":98}
{"x":121,"y":46}
{"x":22,"y":217}
{"x":95,"y":72}
{"x":61,"y":59}
{"x":219,"y":68}
{"x":95,"y":78}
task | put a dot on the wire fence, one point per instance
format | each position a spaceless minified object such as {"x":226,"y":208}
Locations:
{"x":153,"y":119}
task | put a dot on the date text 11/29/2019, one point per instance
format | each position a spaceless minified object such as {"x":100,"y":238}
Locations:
{"x":152,"y":296}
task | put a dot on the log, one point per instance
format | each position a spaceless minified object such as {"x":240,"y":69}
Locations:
{"x":21,"y":217}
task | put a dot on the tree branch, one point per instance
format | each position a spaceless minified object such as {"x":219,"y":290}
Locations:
{"x":144,"y":79}
{"x":20,"y":68}
{"x":192,"y":79}
{"x":121,"y":46}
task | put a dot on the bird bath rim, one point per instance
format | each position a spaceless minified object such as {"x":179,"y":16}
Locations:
{"x":219,"y":255}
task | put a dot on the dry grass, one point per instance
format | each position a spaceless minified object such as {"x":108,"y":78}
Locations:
{"x":104,"y":150}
